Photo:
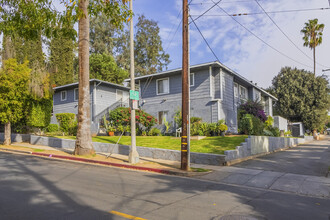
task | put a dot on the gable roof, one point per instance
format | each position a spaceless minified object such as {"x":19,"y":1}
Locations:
{"x":93,"y":80}
{"x":215,"y":64}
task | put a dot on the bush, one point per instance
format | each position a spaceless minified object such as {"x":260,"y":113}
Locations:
{"x":253,"y":108}
{"x":154,"y":132}
{"x":245,"y":125}
{"x":52,"y":128}
{"x":195,"y":120}
{"x":251,"y":125}
{"x":258,"y":126}
{"x":39,"y":113}
{"x":73,"y":128}
{"x":66,"y":120}
{"x":122,"y":116}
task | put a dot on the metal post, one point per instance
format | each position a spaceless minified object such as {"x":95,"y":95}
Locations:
{"x":185,"y":88}
{"x":133,"y":154}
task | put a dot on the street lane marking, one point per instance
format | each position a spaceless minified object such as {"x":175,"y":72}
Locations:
{"x":126,"y":215}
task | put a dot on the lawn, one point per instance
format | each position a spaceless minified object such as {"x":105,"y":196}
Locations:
{"x":214,"y":145}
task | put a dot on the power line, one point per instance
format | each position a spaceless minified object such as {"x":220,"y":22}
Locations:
{"x":193,"y":21}
{"x":269,"y":12}
{"x":283,"y":54}
{"x":215,"y":4}
{"x":169,"y":44}
{"x":285,"y":33}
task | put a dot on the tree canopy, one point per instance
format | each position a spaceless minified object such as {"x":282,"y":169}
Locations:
{"x":14,"y":80}
{"x":104,"y":67}
{"x":302,"y":97}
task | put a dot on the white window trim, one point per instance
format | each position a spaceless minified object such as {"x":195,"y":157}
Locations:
{"x":75,"y":94}
{"x":160,"y":122}
{"x":211,"y":81}
{"x":246,"y":93}
{"x":168,"y":80}
{"x":66,"y":95}
{"x":117,"y":94}
{"x":237,"y":95}
{"x":193,"y":81}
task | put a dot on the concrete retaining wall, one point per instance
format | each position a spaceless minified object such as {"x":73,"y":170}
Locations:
{"x":155,"y":153}
{"x":16,"y":137}
{"x":259,"y":145}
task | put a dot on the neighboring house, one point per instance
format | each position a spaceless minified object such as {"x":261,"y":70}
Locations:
{"x":215,"y":93}
{"x":104,"y":96}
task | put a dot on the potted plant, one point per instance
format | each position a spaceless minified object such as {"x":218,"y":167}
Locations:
{"x":222,"y":128}
{"x":111,"y":131}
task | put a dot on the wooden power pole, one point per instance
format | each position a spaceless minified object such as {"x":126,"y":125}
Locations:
{"x":185,"y":89}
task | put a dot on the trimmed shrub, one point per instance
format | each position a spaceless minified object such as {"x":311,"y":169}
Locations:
{"x":245,"y":125}
{"x":52,"y":128}
{"x":66,"y":120}
{"x":73,"y":128}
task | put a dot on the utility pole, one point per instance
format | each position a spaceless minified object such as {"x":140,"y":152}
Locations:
{"x":133,"y":154}
{"x":185,"y":89}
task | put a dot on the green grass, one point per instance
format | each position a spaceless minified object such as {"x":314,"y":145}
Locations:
{"x":38,"y":150}
{"x":214,"y":145}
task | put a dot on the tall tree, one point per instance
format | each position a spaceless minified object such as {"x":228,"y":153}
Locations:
{"x":149,"y":54}
{"x":302,"y":97}
{"x":102,"y":35}
{"x":104,"y":67}
{"x":29,"y":18}
{"x":312,"y":35}
{"x":13,"y":93}
{"x":61,"y":59}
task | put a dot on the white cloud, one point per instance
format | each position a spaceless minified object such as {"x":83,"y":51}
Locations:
{"x":240,"y":50}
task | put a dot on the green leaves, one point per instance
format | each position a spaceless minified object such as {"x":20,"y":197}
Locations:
{"x":301,"y":97}
{"x":312,"y":33}
{"x":14,"y":79}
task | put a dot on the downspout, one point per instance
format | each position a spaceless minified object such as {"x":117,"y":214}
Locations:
{"x":94,"y":103}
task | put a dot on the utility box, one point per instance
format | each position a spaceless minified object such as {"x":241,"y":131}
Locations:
{"x":281,"y":123}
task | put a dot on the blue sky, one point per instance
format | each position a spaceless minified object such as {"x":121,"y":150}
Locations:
{"x":236,"y":47}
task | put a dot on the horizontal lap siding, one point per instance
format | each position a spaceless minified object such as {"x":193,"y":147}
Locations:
{"x":228,"y":109}
{"x":199,"y":93}
{"x":105,"y":97}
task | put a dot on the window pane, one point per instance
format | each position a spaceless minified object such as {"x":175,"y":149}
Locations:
{"x":192,"y":79}
{"x":160,"y":86}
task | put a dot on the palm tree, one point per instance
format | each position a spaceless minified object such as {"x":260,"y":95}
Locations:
{"x":312,"y":35}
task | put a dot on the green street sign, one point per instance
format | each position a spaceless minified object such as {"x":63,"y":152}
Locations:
{"x":133,"y":95}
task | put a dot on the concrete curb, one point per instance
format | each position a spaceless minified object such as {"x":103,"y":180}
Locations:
{"x":126,"y":166}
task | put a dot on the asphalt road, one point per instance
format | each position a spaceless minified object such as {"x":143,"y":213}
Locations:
{"x":38,"y":188}
{"x":308,"y":159}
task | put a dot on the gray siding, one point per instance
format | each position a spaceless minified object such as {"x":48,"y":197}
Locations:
{"x":228,"y":109}
{"x":216,"y":83}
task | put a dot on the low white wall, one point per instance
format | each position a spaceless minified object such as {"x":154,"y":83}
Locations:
{"x":155,"y":153}
{"x":258,"y":145}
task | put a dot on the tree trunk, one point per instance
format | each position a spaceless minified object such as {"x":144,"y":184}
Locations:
{"x":7,"y":138}
{"x":8,"y":53}
{"x":84,"y":139}
{"x":314,"y":59}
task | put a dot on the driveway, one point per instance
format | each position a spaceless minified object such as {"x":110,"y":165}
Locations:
{"x":308,"y":159}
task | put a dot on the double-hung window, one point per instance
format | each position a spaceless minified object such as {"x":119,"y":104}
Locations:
{"x":63,"y":95}
{"x":243,"y":93}
{"x":162,"y":86}
{"x":235,"y":90}
{"x":192,"y":79}
{"x":76,"y":94}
